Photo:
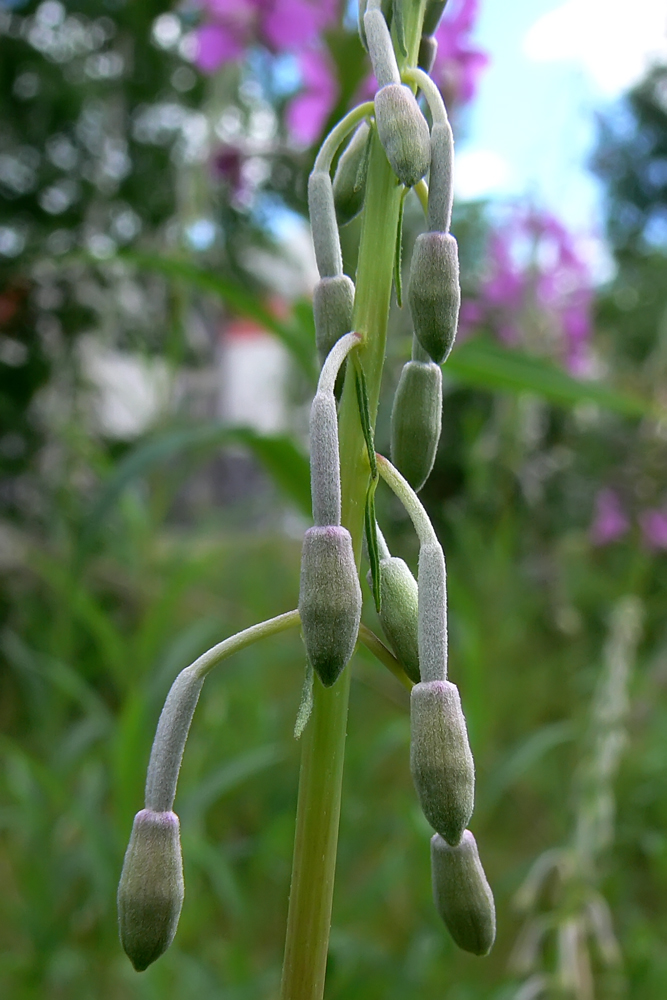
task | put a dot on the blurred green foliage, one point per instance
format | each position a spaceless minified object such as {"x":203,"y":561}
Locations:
{"x":108,"y":592}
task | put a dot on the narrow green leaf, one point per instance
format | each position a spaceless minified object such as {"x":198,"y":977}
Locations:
{"x":399,"y":27}
{"x":296,"y":338}
{"x":287,"y":465}
{"x":365,"y":414}
{"x":482,"y":363}
{"x":370,"y":526}
{"x":398,"y":255}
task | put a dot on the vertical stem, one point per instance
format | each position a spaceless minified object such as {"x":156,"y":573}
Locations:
{"x":321,"y":774}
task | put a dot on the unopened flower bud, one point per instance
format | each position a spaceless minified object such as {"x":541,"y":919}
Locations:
{"x":329,"y":600}
{"x":416,"y":419}
{"x":462,"y":894}
{"x":150,"y":893}
{"x":403,"y":132}
{"x":441,"y":763}
{"x":333,"y":303}
{"x":428,"y":50}
{"x":434,"y":293}
{"x":350,"y":176}
{"x":399,"y":608}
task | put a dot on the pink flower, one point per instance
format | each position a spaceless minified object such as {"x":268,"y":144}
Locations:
{"x":231,"y":26}
{"x":459,"y":63}
{"x":653,"y":525}
{"x":609,"y":520}
{"x":308,"y":111}
{"x":537,"y":286}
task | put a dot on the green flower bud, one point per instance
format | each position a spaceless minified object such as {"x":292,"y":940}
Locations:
{"x":399,"y":612}
{"x":403,"y":132}
{"x":432,"y":14}
{"x":428,"y":50}
{"x":416,"y":419}
{"x":329,"y":600}
{"x":434,"y":293}
{"x":462,"y":895}
{"x":150,"y":893}
{"x":350,"y":177}
{"x":333,"y":302}
{"x":441,"y":763}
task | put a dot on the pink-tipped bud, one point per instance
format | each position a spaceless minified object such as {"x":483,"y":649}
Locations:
{"x":462,"y":894}
{"x":441,"y":763}
{"x":329,"y":600}
{"x":150,"y":893}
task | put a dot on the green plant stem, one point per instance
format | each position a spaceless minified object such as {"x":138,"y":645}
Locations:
{"x":321,"y":774}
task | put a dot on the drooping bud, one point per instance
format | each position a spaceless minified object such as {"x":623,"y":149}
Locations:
{"x":403,"y":132}
{"x":350,"y":176}
{"x":416,"y":419}
{"x":329,"y":600}
{"x":150,"y":893}
{"x":380,"y":45}
{"x":428,"y":50}
{"x":462,"y":894}
{"x":333,"y":303}
{"x":434,"y":293}
{"x":399,"y":605}
{"x":441,"y":763}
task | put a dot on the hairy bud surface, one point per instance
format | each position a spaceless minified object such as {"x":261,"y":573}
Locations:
{"x":462,"y":894}
{"x":150,"y":893}
{"x":329,"y":600}
{"x":441,"y":762}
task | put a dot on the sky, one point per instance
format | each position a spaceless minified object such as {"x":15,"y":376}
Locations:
{"x":554,"y":65}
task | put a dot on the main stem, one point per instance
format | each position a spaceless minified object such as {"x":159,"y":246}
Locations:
{"x":321,"y":774}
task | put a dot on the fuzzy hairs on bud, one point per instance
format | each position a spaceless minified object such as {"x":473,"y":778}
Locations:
{"x":416,"y":419}
{"x":434,"y":293}
{"x":333,"y":304}
{"x":462,"y":894}
{"x":441,"y":762}
{"x":150,"y":893}
{"x":329,"y":600}
{"x":403,"y":132}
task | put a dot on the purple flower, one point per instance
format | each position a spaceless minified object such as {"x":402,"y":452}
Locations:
{"x":609,"y":520}
{"x":231,"y":26}
{"x":308,"y":111}
{"x":653,"y":525}
{"x":459,"y":63}
{"x":536,"y":290}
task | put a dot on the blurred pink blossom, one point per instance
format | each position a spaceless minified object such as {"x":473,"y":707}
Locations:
{"x":307,"y":112}
{"x":231,"y":26}
{"x":458,"y":64}
{"x":537,"y":289}
{"x":609,"y":519}
{"x":653,"y":525}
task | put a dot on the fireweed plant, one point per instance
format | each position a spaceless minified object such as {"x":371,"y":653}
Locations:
{"x":391,"y":147}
